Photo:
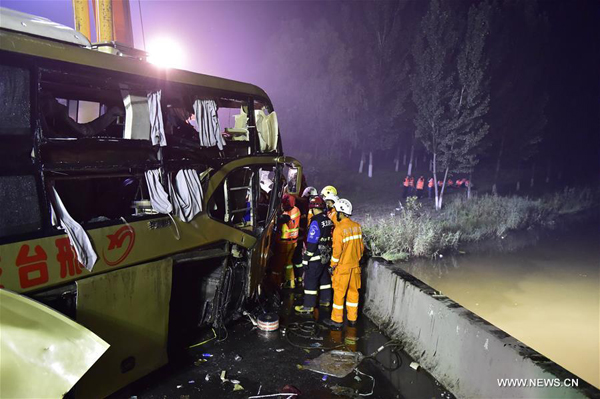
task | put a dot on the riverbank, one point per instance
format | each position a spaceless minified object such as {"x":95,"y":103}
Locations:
{"x":416,"y":231}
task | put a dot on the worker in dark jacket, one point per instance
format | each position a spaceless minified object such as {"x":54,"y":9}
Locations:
{"x":317,"y":257}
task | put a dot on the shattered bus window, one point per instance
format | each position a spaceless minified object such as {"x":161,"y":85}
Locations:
{"x":14,"y":100}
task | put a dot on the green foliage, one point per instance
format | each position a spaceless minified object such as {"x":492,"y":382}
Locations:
{"x":420,"y":233}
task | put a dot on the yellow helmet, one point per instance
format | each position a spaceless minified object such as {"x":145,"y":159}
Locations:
{"x":328,"y":190}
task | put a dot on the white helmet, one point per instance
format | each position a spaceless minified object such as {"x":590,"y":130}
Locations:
{"x":343,"y":206}
{"x":330,"y":197}
{"x":328,"y":190}
{"x":310,"y":192}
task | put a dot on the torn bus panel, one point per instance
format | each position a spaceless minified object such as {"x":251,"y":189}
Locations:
{"x":44,"y":353}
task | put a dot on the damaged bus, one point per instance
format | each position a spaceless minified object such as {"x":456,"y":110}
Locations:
{"x":137,"y":201}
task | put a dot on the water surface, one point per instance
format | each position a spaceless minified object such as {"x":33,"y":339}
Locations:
{"x":546,"y":295}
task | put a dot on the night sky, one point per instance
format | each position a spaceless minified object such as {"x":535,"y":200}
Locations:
{"x":246,"y":40}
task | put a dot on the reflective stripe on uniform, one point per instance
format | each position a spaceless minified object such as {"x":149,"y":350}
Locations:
{"x":354,"y":237}
{"x":308,"y":253}
{"x":334,"y":259}
{"x":339,"y":307}
{"x":305,"y":262}
{"x":310,"y":292}
{"x":324,"y":287}
{"x":295,"y":215}
{"x":318,"y":257}
{"x":289,"y":267}
{"x":352,"y":304}
{"x":299,"y":265}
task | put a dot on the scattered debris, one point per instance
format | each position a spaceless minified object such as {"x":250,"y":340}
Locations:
{"x":207,"y":378}
{"x":279,"y":350}
{"x":223,"y":374}
{"x":207,"y":355}
{"x":274,"y":395}
{"x":316,"y":345}
{"x":357,"y":378}
{"x":324,"y":377}
{"x":179,"y":386}
{"x":339,"y":390}
{"x":234,"y":381}
{"x":300,"y":367}
{"x":237,"y":358}
{"x":237,"y":387}
{"x":289,"y":389}
{"x":259,"y":388}
{"x":191,"y":382}
{"x":414,"y":365}
{"x":199,"y":362}
{"x":335,"y":363}
{"x":184,"y":397}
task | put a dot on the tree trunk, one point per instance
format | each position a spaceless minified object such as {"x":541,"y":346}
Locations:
{"x":416,"y":162}
{"x":442,"y":192}
{"x":362,"y":162}
{"x":548,"y":171}
{"x":469,"y":187}
{"x":495,"y":185}
{"x":431,"y":165}
{"x":404,"y":159}
{"x":532,"y":175}
{"x":410,"y":163}
{"x":397,"y":160}
{"x":370,"y":164}
{"x":435,"y":185}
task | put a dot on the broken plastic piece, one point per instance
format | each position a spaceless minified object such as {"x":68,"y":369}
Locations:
{"x":223,"y":374}
{"x":279,"y":350}
{"x":207,"y":355}
{"x":335,"y":363}
{"x":179,"y":386}
{"x":199,"y":362}
{"x":237,"y":358}
{"x":238,"y":387}
{"x":234,"y":381}
{"x":414,"y":365}
{"x":207,"y":378}
{"x":324,"y":377}
{"x":191,"y":382}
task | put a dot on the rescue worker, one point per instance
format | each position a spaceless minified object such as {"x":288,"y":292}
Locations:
{"x":459,"y":183}
{"x":302,"y":205}
{"x":420,"y":186}
{"x":348,"y":249}
{"x":430,"y":184}
{"x":330,"y":195}
{"x":317,"y":257}
{"x":411,"y":186}
{"x":450,"y":183}
{"x":288,"y":224}
{"x":405,"y":189}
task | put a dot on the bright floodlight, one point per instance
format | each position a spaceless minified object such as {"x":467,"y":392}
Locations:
{"x":166,"y":53}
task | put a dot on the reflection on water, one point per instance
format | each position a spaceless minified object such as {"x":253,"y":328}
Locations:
{"x":546,"y":295}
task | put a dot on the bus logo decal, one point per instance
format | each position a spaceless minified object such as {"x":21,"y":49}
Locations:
{"x":116,"y":241}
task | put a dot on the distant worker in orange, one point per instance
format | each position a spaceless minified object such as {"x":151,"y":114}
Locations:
{"x":450,"y":183}
{"x":411,"y":186}
{"x":288,"y":224}
{"x":430,"y":184}
{"x":348,"y":249}
{"x":405,"y":189}
{"x":420,"y":186}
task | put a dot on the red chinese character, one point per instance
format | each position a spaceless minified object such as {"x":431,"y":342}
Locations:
{"x":67,"y":258}
{"x":33,"y":269}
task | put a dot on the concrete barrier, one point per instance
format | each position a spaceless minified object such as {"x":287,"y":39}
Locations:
{"x":462,"y":351}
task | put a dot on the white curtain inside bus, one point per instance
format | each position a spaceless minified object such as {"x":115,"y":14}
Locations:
{"x":186,"y":194}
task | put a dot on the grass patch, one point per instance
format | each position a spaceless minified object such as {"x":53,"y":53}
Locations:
{"x":416,"y":232}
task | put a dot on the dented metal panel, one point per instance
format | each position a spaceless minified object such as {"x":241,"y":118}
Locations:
{"x":42,"y":352}
{"x":129,"y":308}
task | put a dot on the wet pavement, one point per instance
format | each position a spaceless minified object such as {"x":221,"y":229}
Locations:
{"x":259,"y":363}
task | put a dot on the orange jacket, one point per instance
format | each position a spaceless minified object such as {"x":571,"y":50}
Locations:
{"x":348,"y":244}
{"x":289,"y":230}
{"x":430,"y":183}
{"x":420,"y":184}
{"x":449,"y":183}
{"x":406,"y":181}
{"x":411,"y":182}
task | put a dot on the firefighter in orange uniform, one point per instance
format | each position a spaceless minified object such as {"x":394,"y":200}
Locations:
{"x":348,"y":249}
{"x":405,"y":189}
{"x":288,"y":223}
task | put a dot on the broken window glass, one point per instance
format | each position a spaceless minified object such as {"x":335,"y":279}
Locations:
{"x":14,"y":101}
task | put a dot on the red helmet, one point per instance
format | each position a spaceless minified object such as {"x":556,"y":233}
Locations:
{"x":317,"y":202}
{"x":288,"y":202}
